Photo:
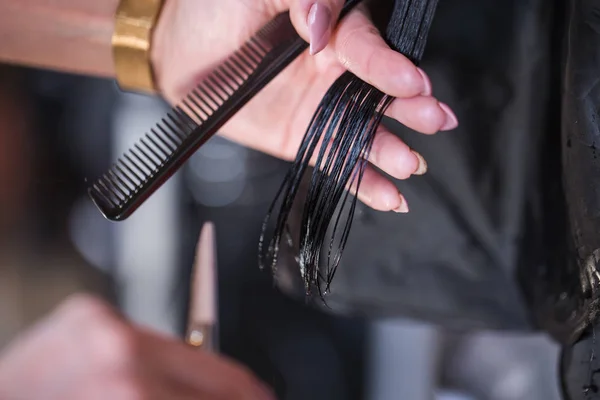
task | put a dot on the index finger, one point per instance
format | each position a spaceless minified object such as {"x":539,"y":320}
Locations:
{"x":358,"y":45}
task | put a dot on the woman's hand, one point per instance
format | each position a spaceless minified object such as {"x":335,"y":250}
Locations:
{"x":192,"y":36}
{"x":85,"y":351}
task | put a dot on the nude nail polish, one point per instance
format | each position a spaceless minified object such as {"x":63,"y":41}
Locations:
{"x":451,"y":120}
{"x":319,"y":27}
{"x":403,"y":207}
{"x":427,"y":90}
{"x":422,"y":167}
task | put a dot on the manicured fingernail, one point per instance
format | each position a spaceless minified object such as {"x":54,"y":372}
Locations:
{"x":427,"y":83}
{"x":319,"y":27}
{"x":422,"y":167}
{"x":451,"y":120}
{"x":403,"y":207}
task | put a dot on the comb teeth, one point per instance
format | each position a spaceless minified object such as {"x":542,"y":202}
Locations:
{"x":162,"y":151}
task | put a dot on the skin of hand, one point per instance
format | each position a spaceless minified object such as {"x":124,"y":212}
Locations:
{"x":192,"y":36}
{"x":84,"y":350}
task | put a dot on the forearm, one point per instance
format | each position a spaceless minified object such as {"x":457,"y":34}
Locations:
{"x":68,"y":35}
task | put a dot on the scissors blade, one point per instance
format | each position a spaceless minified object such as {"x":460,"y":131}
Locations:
{"x":203,"y":310}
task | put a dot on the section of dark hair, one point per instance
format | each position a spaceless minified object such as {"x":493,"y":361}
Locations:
{"x":341,"y":132}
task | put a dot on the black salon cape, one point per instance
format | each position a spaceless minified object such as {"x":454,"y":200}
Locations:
{"x":487,"y":244}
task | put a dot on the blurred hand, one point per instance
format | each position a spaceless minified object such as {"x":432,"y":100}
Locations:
{"x":85,"y":351}
{"x":192,"y":36}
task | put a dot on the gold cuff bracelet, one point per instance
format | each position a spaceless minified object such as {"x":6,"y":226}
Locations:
{"x":131,"y":43}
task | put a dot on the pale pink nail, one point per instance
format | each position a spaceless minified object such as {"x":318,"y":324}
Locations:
{"x":319,"y":27}
{"x":427,"y":83}
{"x":451,"y":120}
{"x":403,"y":207}
{"x":422,"y":167}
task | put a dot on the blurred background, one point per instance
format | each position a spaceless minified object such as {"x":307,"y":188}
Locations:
{"x":57,"y":130}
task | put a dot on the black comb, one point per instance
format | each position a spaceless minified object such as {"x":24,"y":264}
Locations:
{"x":162,"y":151}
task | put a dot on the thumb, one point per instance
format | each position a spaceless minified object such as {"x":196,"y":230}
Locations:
{"x":315,"y":20}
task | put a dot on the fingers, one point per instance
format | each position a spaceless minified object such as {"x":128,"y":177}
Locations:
{"x":379,"y":193}
{"x":359,"y":46}
{"x":388,"y":153}
{"x":394,"y":157}
{"x":423,"y":114}
{"x":315,"y":20}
